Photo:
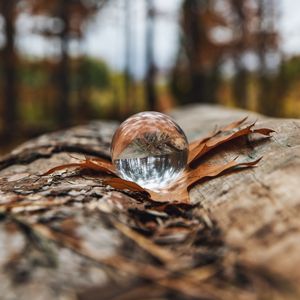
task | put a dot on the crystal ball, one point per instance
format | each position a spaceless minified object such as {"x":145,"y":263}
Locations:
{"x":150,"y":149}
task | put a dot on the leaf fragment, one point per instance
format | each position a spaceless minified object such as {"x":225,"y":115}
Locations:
{"x":61,"y":167}
{"x":228,"y":133}
{"x":234,"y":124}
{"x":122,"y":184}
{"x":179,"y":191}
{"x":94,"y":164}
{"x":263,"y":131}
{"x":217,"y":140}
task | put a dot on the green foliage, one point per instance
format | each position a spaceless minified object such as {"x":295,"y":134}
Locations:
{"x":95,"y":91}
{"x":291,"y":68}
{"x":88,"y":73}
{"x":33,"y":75}
{"x":97,"y":73}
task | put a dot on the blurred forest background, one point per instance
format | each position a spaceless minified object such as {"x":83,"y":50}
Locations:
{"x":63,"y":62}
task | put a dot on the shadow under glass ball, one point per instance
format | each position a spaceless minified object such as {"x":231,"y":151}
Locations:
{"x":150,"y":149}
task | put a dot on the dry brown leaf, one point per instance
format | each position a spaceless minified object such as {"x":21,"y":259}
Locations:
{"x":234,"y":124}
{"x":221,"y":137}
{"x":197,"y":143}
{"x":95,"y":164}
{"x":216,"y":140}
{"x":263,"y":131}
{"x":178,"y":191}
{"x":195,"y":175}
{"x":122,"y":184}
{"x":62,"y":167}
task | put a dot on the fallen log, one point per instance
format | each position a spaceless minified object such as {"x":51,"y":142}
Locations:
{"x":69,"y":236}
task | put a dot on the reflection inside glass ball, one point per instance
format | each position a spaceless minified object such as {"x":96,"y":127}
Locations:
{"x":150,"y":149}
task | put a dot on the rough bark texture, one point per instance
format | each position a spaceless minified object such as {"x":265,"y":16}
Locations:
{"x":67,"y":236}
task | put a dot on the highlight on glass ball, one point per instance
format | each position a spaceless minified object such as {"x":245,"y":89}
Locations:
{"x":150,"y":149}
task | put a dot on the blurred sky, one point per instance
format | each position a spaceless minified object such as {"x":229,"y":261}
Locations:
{"x":105,"y":36}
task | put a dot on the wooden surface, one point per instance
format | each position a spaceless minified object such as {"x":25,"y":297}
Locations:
{"x":67,"y":236}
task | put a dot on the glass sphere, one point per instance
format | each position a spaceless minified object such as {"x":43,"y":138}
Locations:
{"x":150,"y":149}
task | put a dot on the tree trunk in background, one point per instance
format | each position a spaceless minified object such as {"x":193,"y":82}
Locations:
{"x":204,"y":85}
{"x":151,"y":95}
{"x":83,"y":90}
{"x":9,"y":73}
{"x":196,"y":75}
{"x":198,"y":86}
{"x":240,"y":86}
{"x":62,"y":77}
{"x":127,"y":71}
{"x":266,"y":44}
{"x":194,"y":32}
{"x":240,"y":81}
{"x":214,"y":81}
{"x":282,"y":87}
{"x":264,"y":99}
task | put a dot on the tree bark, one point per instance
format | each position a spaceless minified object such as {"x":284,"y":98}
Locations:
{"x":68,"y":236}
